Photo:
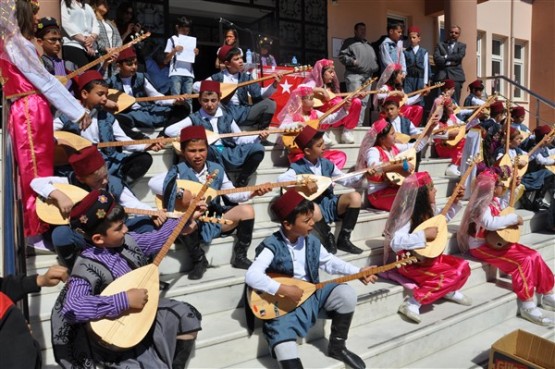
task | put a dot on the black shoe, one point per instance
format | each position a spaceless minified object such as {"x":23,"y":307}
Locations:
{"x":345,"y":244}
{"x":346,"y":356}
{"x":326,"y":237}
{"x":340,"y":324}
{"x":241,"y":262}
{"x":329,"y":243}
{"x":199,"y":268}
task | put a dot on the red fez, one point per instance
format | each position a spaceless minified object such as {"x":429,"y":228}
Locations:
{"x":303,"y":138}
{"x":392,"y":99}
{"x":86,"y":77}
{"x":496,"y":108}
{"x":517,"y":112}
{"x":478,"y":84}
{"x":379,"y":125}
{"x":286,"y":203}
{"x":541,"y":131}
{"x":86,"y":161}
{"x":209,"y":85}
{"x":128,"y":53}
{"x":448,"y":84}
{"x":423,"y":178}
{"x":414,"y":29}
{"x":192,"y":133}
{"x":90,"y":212}
{"x":224,"y":50}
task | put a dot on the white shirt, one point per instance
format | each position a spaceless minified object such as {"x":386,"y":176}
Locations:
{"x":493,"y":223}
{"x":175,"y":129}
{"x":178,"y":67}
{"x":512,"y":154}
{"x":426,"y":61}
{"x":77,"y":20}
{"x":543,"y":160}
{"x":257,"y":278}
{"x":43,"y":186}
{"x":149,"y":89}
{"x":396,"y":123}
{"x":291,"y":175}
{"x":156,"y":185}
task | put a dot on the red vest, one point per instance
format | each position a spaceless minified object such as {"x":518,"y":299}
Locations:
{"x":384,"y":158}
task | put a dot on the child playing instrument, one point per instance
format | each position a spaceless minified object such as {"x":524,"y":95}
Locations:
{"x":417,"y":61}
{"x":435,"y":278}
{"x":112,"y":253}
{"x":243,"y":153}
{"x":474,"y":98}
{"x":300,"y":109}
{"x":443,"y":149}
{"x":92,"y":90}
{"x":181,"y":72}
{"x":518,"y":114}
{"x":378,"y":147}
{"x":325,"y":84}
{"x":89,"y":173}
{"x":261,"y":112}
{"x":330,"y":207}
{"x":136,"y":84}
{"x":24,"y":351}
{"x":194,"y":167}
{"x":391,"y":111}
{"x":30,"y":120}
{"x":526,"y":267}
{"x":231,"y":39}
{"x":292,"y":251}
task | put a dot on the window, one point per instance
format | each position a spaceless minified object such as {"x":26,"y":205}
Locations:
{"x":479,"y":52}
{"x":498,"y":61}
{"x":519,"y":68}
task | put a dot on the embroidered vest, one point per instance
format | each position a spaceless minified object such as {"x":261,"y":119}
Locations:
{"x":137,"y":85}
{"x":415,"y":62}
{"x":301,"y":167}
{"x":224,"y":126}
{"x":384,"y":158}
{"x":105,"y":129}
{"x":495,"y":211}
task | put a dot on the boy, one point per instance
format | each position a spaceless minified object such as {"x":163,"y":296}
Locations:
{"x":390,"y":109}
{"x":518,"y":114}
{"x":244,"y":153}
{"x":89,"y":173}
{"x":293,"y":251}
{"x":391,"y":48}
{"x":112,"y":253}
{"x":181,"y":72}
{"x":195,"y":167}
{"x":475,"y":97}
{"x":416,"y":58}
{"x":136,"y":84}
{"x":263,"y":108}
{"x":92,"y":90}
{"x":330,"y":207}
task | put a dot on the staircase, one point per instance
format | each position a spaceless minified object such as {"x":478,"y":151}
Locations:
{"x":450,"y":335}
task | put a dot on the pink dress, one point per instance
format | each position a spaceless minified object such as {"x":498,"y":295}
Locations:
{"x":445,"y":151}
{"x":351,"y":120}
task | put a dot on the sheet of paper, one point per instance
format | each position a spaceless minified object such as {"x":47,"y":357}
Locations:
{"x":189,"y":44}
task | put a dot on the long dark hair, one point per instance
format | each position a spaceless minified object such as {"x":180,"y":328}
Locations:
{"x":68,"y":3}
{"x":24,"y":14}
{"x":490,"y":146}
{"x":392,"y":80}
{"x":329,"y":85}
{"x":422,"y":208}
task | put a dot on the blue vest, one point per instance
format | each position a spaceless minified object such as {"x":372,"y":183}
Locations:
{"x":137,"y":85}
{"x":468,"y":100}
{"x":184,"y":171}
{"x":253,"y":90}
{"x":115,"y":185}
{"x":301,"y":167}
{"x":224,"y":126}
{"x":282,"y":262}
{"x":415,"y":62}
{"x":405,"y":125}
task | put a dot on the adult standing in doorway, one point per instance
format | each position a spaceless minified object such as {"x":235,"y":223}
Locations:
{"x":448,"y":56}
{"x":360,"y":62}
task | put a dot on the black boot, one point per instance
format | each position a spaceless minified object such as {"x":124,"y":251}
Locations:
{"x":244,"y":236}
{"x":183,"y":349}
{"x":344,"y":240}
{"x":200,"y":264}
{"x":291,"y":364}
{"x":248,"y":168}
{"x":67,"y":255}
{"x":326,"y":237}
{"x":340,"y":324}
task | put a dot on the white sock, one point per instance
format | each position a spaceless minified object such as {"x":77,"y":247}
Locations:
{"x":457,"y":295}
{"x":531,"y":307}
{"x":550,"y":298}
{"x":414,"y":305}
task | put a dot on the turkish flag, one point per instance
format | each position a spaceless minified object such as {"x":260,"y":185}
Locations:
{"x":286,"y":86}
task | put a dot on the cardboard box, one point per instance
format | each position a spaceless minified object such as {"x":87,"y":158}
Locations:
{"x":522,"y":350}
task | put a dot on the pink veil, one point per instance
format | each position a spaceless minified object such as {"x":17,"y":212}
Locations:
{"x":294,"y":104}
{"x":315,"y":76}
{"x":386,"y":75}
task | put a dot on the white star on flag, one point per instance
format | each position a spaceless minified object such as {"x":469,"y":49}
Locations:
{"x":286,"y":87}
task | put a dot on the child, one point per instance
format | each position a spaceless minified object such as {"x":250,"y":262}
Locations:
{"x":89,"y":173}
{"x":475,"y":96}
{"x":542,"y":157}
{"x":391,"y":111}
{"x":391,"y":83}
{"x":435,"y":278}
{"x":443,"y":150}
{"x":195,"y":167}
{"x":231,"y":39}
{"x":324,"y":82}
{"x":300,"y":109}
{"x":526,"y":267}
{"x":49,"y":38}
{"x":391,"y":48}
{"x":266,"y":59}
{"x":111,"y":252}
{"x":416,"y":58}
{"x":518,"y":114}
{"x":136,"y":84}
{"x":330,"y":207}
{"x":243,"y":153}
{"x":93,"y":91}
{"x":261,"y":112}
{"x":24,"y":351}
{"x":379,"y":147}
{"x":30,"y":120}
{"x":293,"y":251}
{"x":181,"y":72}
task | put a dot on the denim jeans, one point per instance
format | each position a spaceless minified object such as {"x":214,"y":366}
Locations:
{"x":182,"y":85}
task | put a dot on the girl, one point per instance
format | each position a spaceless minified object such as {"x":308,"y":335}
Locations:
{"x":30,"y":120}
{"x":298,"y":110}
{"x":438,"y":277}
{"x":443,"y":150}
{"x":526,"y":267}
{"x":231,"y":39}
{"x":323,"y":81}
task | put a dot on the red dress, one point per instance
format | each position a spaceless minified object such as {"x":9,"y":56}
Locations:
{"x":445,"y":151}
